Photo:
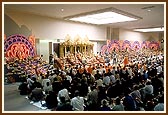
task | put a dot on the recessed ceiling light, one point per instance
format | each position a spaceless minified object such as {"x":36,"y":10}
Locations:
{"x":150,"y":29}
{"x":149,"y":10}
{"x":62,"y":9}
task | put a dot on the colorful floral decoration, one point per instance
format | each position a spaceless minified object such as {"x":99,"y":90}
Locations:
{"x":144,"y":45}
{"x":32,"y":41}
{"x":114,"y":45}
{"x":154,"y":45}
{"x":18,"y":46}
{"x":126,"y":45}
{"x":133,"y":45}
{"x":136,"y":45}
{"x":104,"y":49}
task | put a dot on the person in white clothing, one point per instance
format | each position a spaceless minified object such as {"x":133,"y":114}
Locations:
{"x":106,"y":80}
{"x":47,"y":88}
{"x":63,"y":93}
{"x":149,"y":88}
{"x":69,"y":78}
{"x":159,"y":69}
{"x":29,"y":82}
{"x":112,"y":79}
{"x":44,"y":82}
{"x":77,"y":102}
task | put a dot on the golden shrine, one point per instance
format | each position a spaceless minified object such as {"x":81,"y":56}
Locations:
{"x":78,"y":45}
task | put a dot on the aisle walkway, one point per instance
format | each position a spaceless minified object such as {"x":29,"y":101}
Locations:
{"x":13,"y":101}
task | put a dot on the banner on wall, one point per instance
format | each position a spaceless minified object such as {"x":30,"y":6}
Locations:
{"x":19,"y":46}
{"x":116,"y":45}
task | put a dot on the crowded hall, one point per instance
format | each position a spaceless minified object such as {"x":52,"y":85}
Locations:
{"x":84,"y":57}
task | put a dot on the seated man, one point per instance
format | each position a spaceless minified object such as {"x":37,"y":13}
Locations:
{"x":77,"y":102}
{"x":36,"y":94}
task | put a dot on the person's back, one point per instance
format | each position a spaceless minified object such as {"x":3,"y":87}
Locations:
{"x":92,"y":99}
{"x":160,"y":105}
{"x":77,"y":102}
{"x":47,"y":88}
{"x":51,"y":100}
{"x":128,"y":101}
{"x":136,"y":94}
{"x":106,"y":80}
{"x":37,"y":94}
{"x":112,"y":79}
{"x":118,"y":105}
{"x":56,"y":85}
{"x":30,"y":82}
{"x":63,"y":93}
{"x":64,"y":106}
{"x":93,"y":95}
{"x":104,"y":106}
{"x":23,"y":88}
{"x":44,"y":82}
{"x":83,"y":89}
{"x":148,"y":88}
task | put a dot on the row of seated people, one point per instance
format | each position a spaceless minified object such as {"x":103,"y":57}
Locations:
{"x":79,"y":59}
{"x":74,"y":88}
{"x":19,"y":68}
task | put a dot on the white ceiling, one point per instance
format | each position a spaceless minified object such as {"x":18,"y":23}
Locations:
{"x":154,"y":18}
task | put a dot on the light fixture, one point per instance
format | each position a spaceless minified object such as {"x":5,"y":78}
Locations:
{"x":105,"y":16}
{"x":150,"y":29}
{"x":62,"y":9}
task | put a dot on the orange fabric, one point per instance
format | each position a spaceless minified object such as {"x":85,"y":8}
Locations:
{"x":125,"y":60}
{"x":89,"y":69}
{"x":81,"y":70}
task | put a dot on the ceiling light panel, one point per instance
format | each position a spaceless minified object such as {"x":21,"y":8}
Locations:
{"x":103,"y":18}
{"x":150,"y":30}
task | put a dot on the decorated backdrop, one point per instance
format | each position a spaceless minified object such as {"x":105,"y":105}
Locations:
{"x":19,"y":46}
{"x":129,"y":45}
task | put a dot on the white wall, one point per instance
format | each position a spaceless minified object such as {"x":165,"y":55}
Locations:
{"x":137,"y":36}
{"x":49,"y":28}
{"x":44,"y":49}
{"x":95,"y":48}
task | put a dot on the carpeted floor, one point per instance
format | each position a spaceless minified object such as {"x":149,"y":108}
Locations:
{"x":13,"y":101}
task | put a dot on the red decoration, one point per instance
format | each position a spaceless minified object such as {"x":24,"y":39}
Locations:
{"x":18,"y":46}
